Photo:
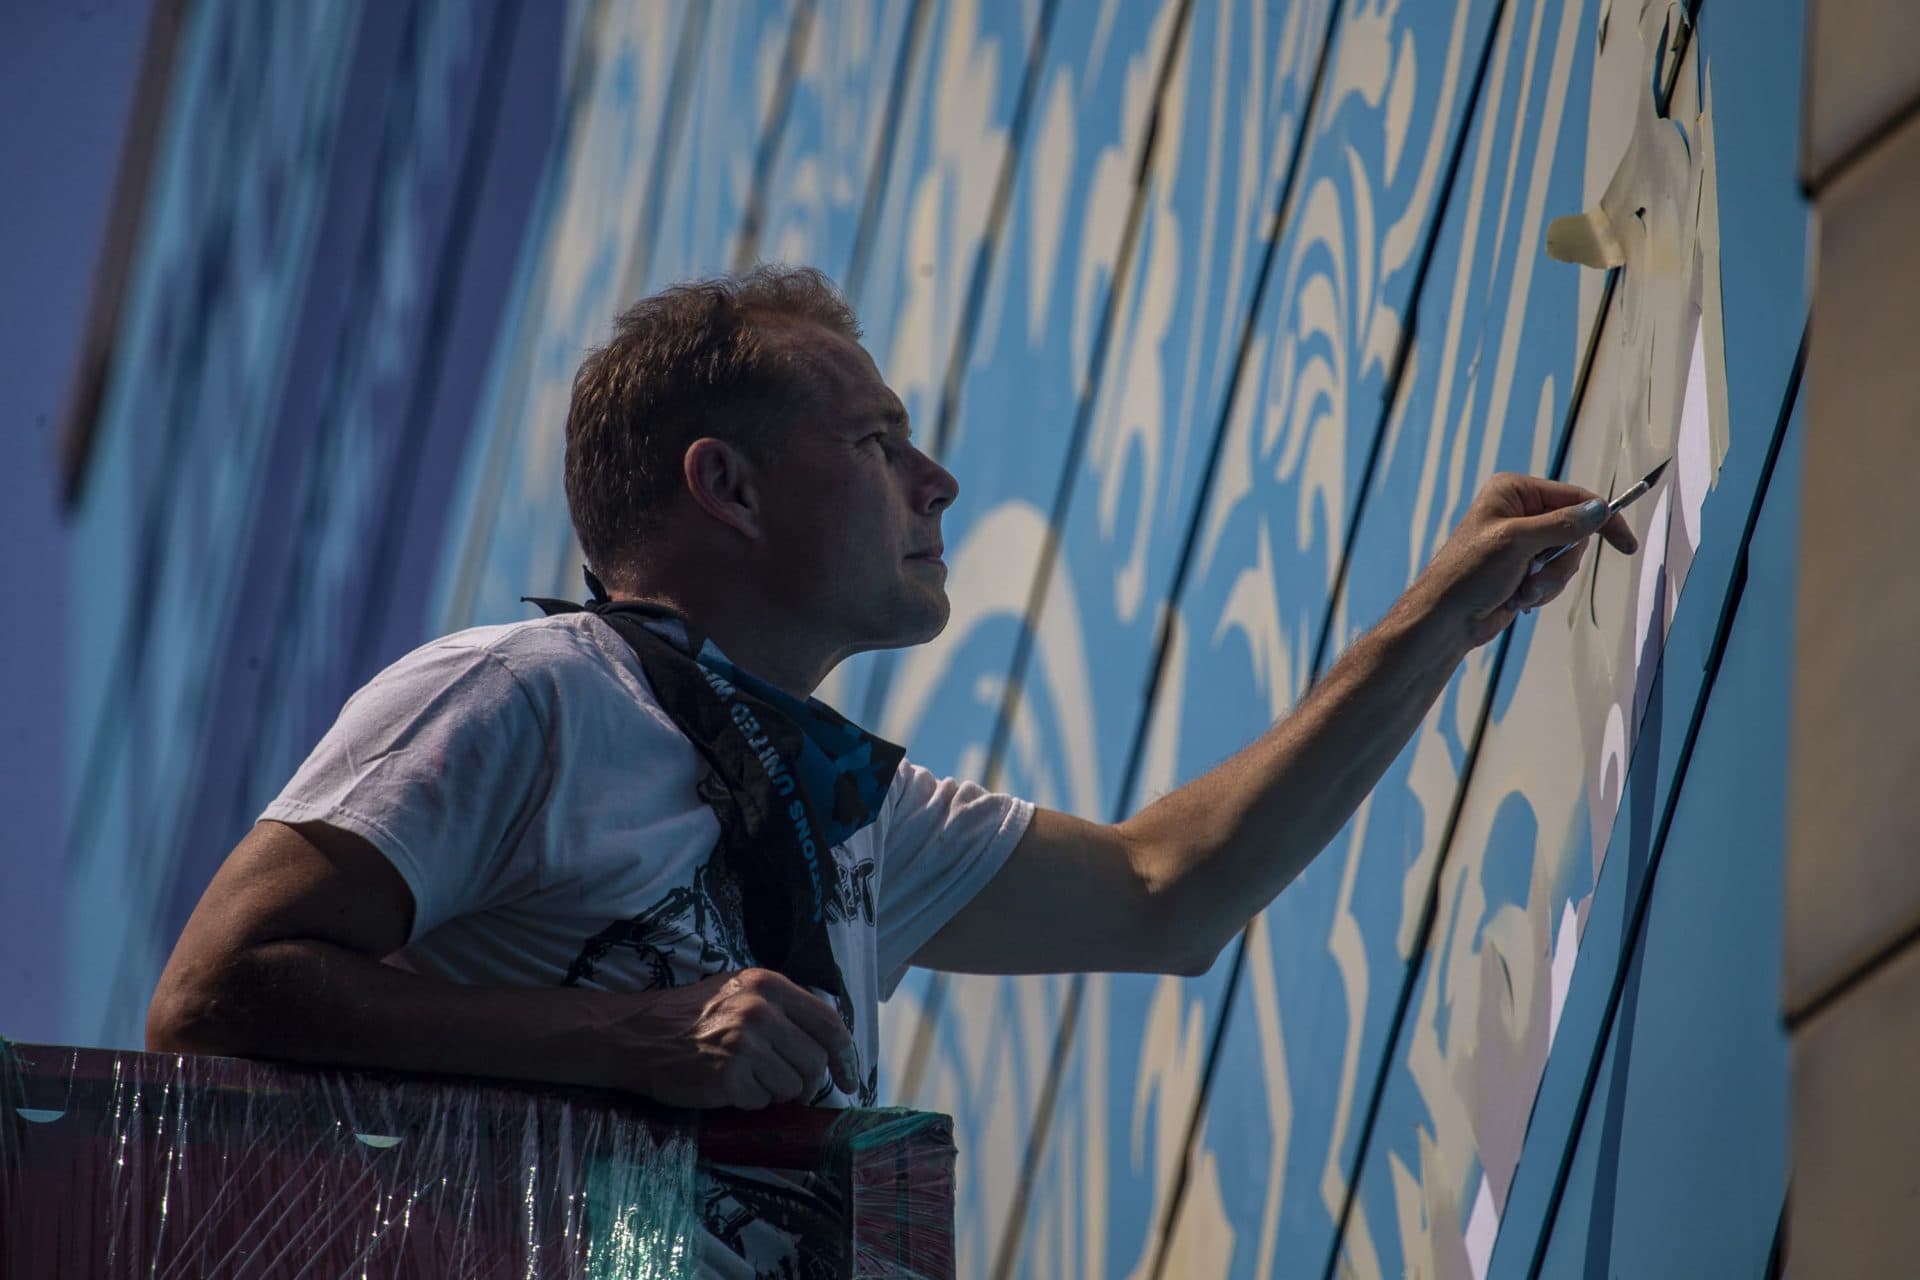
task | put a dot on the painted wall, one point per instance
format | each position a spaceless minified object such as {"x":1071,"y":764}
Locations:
{"x":1221,"y":311}
{"x":67,"y":76}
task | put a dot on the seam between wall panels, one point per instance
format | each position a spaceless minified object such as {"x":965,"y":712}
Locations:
{"x":773,"y":133}
{"x":881,"y":678}
{"x":307,"y":545}
{"x":932,"y":1008}
{"x":1283,"y":203}
{"x":473,"y":504}
{"x":448,"y":275}
{"x":1389,"y":398}
{"x":1123,"y":261}
{"x":1431,"y":899}
{"x":1854,"y":977}
{"x":144,"y":127}
{"x":673,"y":131}
{"x":108,"y":732}
{"x":880,"y":175}
{"x":1869,"y":142}
{"x":1642,"y":893}
{"x":1007,"y":1251}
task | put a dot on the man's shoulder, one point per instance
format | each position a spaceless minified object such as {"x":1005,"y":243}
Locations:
{"x":562,"y":640}
{"x":582,"y":678}
{"x":544,"y":656}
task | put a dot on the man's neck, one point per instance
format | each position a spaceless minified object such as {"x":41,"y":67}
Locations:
{"x":751,"y":641}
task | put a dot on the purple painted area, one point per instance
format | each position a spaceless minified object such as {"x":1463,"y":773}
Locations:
{"x":67,"y":73}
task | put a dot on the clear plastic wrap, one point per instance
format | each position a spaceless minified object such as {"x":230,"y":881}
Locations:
{"x":116,"y":1164}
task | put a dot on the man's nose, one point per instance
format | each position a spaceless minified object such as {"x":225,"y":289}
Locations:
{"x":938,"y":488}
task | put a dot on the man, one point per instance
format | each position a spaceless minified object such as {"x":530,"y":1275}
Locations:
{"x":619,"y":846}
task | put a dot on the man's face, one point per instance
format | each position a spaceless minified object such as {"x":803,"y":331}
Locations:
{"x":851,"y":510}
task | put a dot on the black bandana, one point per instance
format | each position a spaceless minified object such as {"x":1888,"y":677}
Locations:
{"x":787,"y":779}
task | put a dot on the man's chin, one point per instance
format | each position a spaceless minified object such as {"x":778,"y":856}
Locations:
{"x":924,"y":620}
{"x":929,"y":627}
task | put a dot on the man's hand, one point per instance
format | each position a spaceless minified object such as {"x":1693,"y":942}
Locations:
{"x":1484,"y":576}
{"x":747,"y":1039}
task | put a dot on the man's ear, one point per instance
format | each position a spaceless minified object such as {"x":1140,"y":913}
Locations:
{"x":720,"y":480}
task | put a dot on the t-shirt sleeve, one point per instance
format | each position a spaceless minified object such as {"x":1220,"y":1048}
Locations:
{"x":439,"y":762}
{"x":943,"y":841}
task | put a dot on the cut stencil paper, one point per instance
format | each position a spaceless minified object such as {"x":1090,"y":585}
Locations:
{"x":1658,"y":389}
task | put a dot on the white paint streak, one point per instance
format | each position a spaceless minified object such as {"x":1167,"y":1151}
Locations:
{"x":1482,"y":1227}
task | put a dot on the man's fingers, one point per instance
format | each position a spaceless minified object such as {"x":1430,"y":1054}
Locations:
{"x":814,"y":1016}
{"x":1486,"y":628}
{"x":1546,"y":533}
{"x":1542,"y":585}
{"x":777,"y":1076}
{"x":1615,"y":531}
{"x":742,"y":1088}
{"x":1538,"y":495}
{"x":799,"y":1050}
{"x":1558,"y":513}
{"x":818,"y":1019}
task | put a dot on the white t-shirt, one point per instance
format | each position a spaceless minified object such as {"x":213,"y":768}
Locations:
{"x":541,"y":807}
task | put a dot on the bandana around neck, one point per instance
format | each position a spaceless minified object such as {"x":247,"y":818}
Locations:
{"x":788,"y":780}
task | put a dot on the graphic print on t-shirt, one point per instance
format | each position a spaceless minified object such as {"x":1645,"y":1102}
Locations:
{"x":698,"y":925}
{"x":696,"y":930}
{"x":852,"y":889}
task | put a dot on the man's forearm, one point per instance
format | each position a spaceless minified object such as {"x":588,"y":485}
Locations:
{"x":316,"y":1002}
{"x":1225,"y":844}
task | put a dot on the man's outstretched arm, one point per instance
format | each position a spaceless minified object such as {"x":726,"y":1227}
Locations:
{"x":282,"y":959}
{"x":1165,"y":890}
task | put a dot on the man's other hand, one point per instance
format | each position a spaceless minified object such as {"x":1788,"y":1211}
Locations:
{"x":746,"y":1039}
{"x":1485,"y":575}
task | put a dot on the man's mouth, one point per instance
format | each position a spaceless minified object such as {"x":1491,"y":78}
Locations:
{"x":932,"y":553}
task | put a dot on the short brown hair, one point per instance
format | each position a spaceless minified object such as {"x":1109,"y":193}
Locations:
{"x":705,"y":358}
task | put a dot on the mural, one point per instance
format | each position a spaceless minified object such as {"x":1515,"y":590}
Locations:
{"x":1220,"y":311}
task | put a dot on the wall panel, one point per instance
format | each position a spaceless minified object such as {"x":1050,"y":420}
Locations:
{"x":1006,"y":434}
{"x":1521,"y":861}
{"x":614,"y":154}
{"x":1855,"y":902}
{"x":1677,"y":1178}
{"x":1254,"y":596}
{"x":1496,"y":340}
{"x":936,"y":218}
{"x":1761,"y":252}
{"x":1137,"y":462}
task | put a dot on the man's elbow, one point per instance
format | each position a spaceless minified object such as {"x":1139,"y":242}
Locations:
{"x":195,"y":1012}
{"x":1173,"y":934}
{"x":1185,"y":942}
{"x":1194,"y":961}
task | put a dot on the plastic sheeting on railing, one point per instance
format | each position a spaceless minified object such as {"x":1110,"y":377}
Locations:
{"x":120,"y":1164}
